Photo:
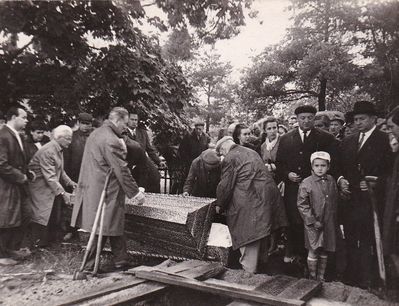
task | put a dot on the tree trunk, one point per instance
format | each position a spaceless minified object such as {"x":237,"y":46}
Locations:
{"x":208,"y":117}
{"x":322,"y":94}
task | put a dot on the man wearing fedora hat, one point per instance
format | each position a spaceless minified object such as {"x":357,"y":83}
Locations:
{"x":364,"y":153}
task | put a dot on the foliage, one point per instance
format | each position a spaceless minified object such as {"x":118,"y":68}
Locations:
{"x":208,"y":75}
{"x":63,"y":57}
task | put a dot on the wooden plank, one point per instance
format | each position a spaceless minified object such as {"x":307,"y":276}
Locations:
{"x":204,"y":272}
{"x":276,"y":284}
{"x":98,"y":293}
{"x":235,"y":293}
{"x":219,"y":282}
{"x":302,"y":289}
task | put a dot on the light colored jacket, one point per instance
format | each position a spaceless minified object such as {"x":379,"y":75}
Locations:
{"x":48,"y":166}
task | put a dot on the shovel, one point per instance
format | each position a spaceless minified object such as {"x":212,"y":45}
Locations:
{"x":371,"y":181}
{"x":80,"y":275}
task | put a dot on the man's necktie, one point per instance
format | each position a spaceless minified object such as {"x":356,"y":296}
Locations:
{"x":305,"y":136}
{"x":360,"y":141}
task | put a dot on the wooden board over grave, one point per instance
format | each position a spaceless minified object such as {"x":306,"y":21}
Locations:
{"x":170,"y":225}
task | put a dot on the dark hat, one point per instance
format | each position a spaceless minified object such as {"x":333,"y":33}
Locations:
{"x":305,"y":109}
{"x":85,"y":117}
{"x":199,"y":122}
{"x":364,"y":107}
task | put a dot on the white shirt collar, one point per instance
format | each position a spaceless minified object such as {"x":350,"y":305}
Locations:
{"x":366,"y":135}
{"x":301,"y":133}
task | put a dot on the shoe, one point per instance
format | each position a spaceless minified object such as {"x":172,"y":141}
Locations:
{"x":8,"y":262}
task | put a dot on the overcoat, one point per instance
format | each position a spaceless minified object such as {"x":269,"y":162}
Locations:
{"x":74,"y":153}
{"x":13,"y":167}
{"x":192,"y":146}
{"x":105,"y":150}
{"x":294,"y":156}
{"x":250,"y":197}
{"x":374,"y":159}
{"x":48,"y":166}
{"x":391,"y":212}
{"x":201,"y":181}
{"x":142,"y":138}
{"x":317,"y":201}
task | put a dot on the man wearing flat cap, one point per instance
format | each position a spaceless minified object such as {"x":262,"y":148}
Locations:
{"x":73,"y":155}
{"x":292,"y":163}
{"x":364,"y":153}
{"x":193,"y":144}
{"x":252,"y":202}
{"x":337,"y":121}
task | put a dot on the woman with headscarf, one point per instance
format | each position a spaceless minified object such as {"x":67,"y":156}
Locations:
{"x":204,"y":175}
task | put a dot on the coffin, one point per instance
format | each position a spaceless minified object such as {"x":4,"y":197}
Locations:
{"x":169,"y":225}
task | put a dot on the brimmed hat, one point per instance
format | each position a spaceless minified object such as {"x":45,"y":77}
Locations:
{"x":305,"y":109}
{"x":320,"y":155}
{"x":210,"y":157}
{"x":199,"y":122}
{"x":364,"y":107}
{"x":85,"y":117}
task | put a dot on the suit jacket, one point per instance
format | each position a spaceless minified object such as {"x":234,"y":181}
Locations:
{"x":74,"y":153}
{"x":13,"y":167}
{"x":294,"y":156}
{"x":192,"y":146}
{"x":48,"y":166}
{"x":142,"y":138}
{"x":30,"y":147}
{"x":105,"y":150}
{"x":374,"y":158}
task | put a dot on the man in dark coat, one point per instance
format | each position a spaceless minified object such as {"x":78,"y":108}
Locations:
{"x":204,"y":175}
{"x":391,"y":209}
{"x":105,"y":154}
{"x":139,"y":134}
{"x":73,"y":155}
{"x":365,"y":153}
{"x":251,"y":199}
{"x":13,"y":176}
{"x":35,"y":138}
{"x":194,"y":143}
{"x":292,"y":163}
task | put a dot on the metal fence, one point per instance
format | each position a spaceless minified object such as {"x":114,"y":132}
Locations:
{"x":172,"y":179}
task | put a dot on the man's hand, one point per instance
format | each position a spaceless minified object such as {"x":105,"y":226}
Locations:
{"x":140,"y":198}
{"x":31,"y":176}
{"x":185,"y":194}
{"x":293,"y":177}
{"x":363,"y":186}
{"x":73,"y":185}
{"x":67,"y":198}
{"x":217,"y":208}
{"x":344,"y":187}
{"x":318,"y":225}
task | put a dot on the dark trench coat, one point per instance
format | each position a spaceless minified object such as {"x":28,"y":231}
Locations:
{"x":250,"y":197}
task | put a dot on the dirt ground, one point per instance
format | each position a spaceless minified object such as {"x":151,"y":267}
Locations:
{"x":46,"y":277}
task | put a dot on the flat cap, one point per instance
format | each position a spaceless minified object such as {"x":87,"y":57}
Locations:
{"x":338,"y":116}
{"x":85,"y":117}
{"x":320,"y":155}
{"x":221,"y":141}
{"x":305,"y":109}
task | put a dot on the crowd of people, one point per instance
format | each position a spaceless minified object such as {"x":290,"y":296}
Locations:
{"x":310,"y":186}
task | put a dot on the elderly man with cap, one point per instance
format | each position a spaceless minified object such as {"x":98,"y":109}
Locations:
{"x":365,"y":153}
{"x":250,"y":198}
{"x":73,"y":156}
{"x":204,"y":175}
{"x":292,"y":163}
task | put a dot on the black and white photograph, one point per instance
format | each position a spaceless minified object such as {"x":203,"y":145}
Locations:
{"x":199,"y":152}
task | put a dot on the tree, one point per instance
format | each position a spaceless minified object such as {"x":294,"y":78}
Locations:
{"x":207,"y":77}
{"x":62,"y":57}
{"x":313,"y":63}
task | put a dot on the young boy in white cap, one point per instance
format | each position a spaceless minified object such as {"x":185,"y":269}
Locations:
{"x":317,"y":204}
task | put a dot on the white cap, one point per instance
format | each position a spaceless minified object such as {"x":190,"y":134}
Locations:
{"x":321,"y":155}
